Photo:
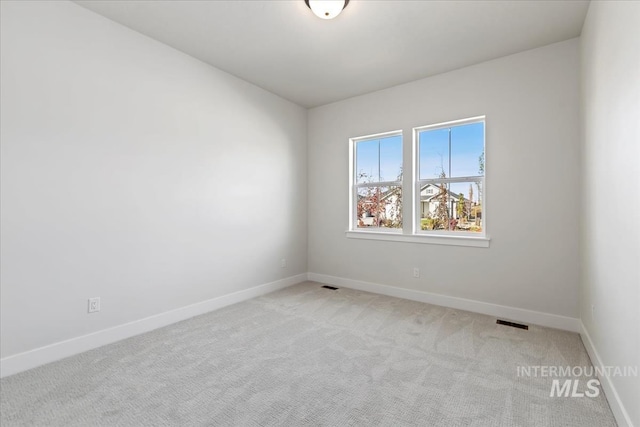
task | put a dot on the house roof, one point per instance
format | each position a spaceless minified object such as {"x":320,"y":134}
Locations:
{"x":436,"y":194}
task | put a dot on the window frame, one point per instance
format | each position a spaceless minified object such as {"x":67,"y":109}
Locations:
{"x":354,"y":185}
{"x":418,"y":183}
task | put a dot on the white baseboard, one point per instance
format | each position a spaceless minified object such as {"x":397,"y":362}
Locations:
{"x":40,"y":356}
{"x":501,"y":311}
{"x":619,"y":412}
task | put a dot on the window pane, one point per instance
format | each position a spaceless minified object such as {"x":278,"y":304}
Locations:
{"x":367,"y":161}
{"x":379,"y":159}
{"x":434,"y":153}
{"x":435,"y":206}
{"x":391,"y":158}
{"x":454,"y":207}
{"x":467,"y":150}
{"x":379,"y":207}
{"x":471,"y":219}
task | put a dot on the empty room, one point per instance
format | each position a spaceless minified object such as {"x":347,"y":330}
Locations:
{"x":320,"y":213}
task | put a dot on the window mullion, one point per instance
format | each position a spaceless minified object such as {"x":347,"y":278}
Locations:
{"x":379,"y":184}
{"x":477,"y":178}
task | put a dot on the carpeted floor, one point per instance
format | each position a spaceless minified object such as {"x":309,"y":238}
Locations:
{"x":308,"y":356}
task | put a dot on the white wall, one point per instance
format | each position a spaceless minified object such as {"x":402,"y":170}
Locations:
{"x":610,"y":46}
{"x":133,"y":172}
{"x":531,"y":103}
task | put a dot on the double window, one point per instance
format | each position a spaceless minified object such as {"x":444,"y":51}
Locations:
{"x":446,"y":189}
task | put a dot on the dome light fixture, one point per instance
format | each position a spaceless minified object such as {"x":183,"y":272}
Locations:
{"x":326,"y":9}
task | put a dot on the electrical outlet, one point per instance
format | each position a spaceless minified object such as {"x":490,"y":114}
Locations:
{"x":94,"y":305}
{"x":416,"y":273}
{"x":283,"y":262}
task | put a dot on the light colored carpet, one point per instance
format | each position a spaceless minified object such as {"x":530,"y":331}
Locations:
{"x":308,"y":356}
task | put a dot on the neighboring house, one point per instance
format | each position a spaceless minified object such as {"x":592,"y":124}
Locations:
{"x":430,"y":198}
{"x":391,"y":209}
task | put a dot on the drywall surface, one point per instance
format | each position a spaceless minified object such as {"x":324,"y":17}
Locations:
{"x":531,"y":103}
{"x":610,"y":294}
{"x":134,"y":173}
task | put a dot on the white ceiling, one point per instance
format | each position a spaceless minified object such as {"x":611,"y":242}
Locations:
{"x":374,"y":44}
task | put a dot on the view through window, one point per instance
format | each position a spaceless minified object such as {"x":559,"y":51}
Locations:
{"x":378,"y":182}
{"x":450,"y":186}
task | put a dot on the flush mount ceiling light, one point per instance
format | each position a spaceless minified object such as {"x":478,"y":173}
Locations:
{"x":326,"y":9}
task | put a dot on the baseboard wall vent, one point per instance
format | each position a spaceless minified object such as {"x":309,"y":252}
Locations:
{"x":512,"y":324}
{"x":331,"y":287}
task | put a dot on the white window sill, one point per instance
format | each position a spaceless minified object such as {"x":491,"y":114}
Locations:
{"x":476,"y":242}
